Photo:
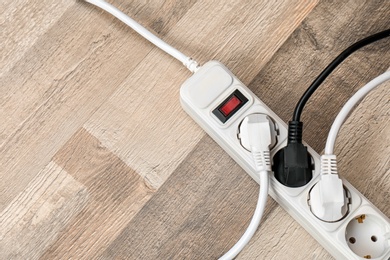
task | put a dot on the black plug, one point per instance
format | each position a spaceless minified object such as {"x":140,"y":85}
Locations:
{"x":292,"y":164}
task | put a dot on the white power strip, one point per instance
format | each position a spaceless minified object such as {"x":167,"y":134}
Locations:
{"x":219,"y":102}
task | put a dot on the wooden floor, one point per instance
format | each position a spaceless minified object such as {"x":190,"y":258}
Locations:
{"x":98,"y":160}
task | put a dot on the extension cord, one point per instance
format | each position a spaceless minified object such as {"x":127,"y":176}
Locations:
{"x":219,"y":102}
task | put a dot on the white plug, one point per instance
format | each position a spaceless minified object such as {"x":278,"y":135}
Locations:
{"x":328,"y":199}
{"x":259,"y":126}
{"x":220,"y":103}
{"x":257,"y":134}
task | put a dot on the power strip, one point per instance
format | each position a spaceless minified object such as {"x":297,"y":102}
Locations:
{"x":219,"y":102}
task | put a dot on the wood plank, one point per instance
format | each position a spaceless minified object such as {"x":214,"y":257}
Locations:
{"x":281,"y":237}
{"x":32,"y":221}
{"x":63,"y":78}
{"x":79,"y":60}
{"x":191,"y":210}
{"x":143,"y":122}
{"x":329,"y":30}
{"x":202,"y":210}
{"x":116,"y":194}
{"x":26,"y":22}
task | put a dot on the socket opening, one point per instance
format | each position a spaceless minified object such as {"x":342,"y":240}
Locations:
{"x":368,"y":236}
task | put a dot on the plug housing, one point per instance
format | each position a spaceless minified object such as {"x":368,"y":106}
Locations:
{"x":199,"y":97}
{"x":268,"y":128}
{"x":257,"y":134}
{"x":328,"y":199}
{"x":292,"y":164}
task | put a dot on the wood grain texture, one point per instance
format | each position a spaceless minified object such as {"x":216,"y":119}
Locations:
{"x":98,"y":160}
{"x":325,"y":33}
{"x":363,"y":147}
{"x":274,"y":233}
{"x":210,"y":203}
{"x":33,"y":220}
{"x":116,"y":194}
{"x":216,"y":199}
{"x":23,"y":22}
{"x":63,"y":78}
{"x":143,"y":122}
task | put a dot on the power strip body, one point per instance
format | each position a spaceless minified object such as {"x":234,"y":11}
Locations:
{"x":214,"y":90}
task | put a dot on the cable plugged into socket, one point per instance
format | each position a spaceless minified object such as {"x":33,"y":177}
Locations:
{"x":292,"y":165}
{"x":244,"y":131}
{"x":329,"y":200}
{"x":256,"y":131}
{"x":232,"y":138}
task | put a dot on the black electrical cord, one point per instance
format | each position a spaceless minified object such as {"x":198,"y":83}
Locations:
{"x":292,"y":164}
{"x":325,"y":73}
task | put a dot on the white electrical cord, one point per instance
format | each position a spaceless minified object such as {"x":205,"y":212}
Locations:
{"x":260,"y":137}
{"x":255,"y":222}
{"x":341,"y":117}
{"x":328,"y":198}
{"x":187,"y":61}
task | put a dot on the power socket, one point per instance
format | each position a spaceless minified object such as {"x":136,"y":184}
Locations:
{"x":219,"y":102}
